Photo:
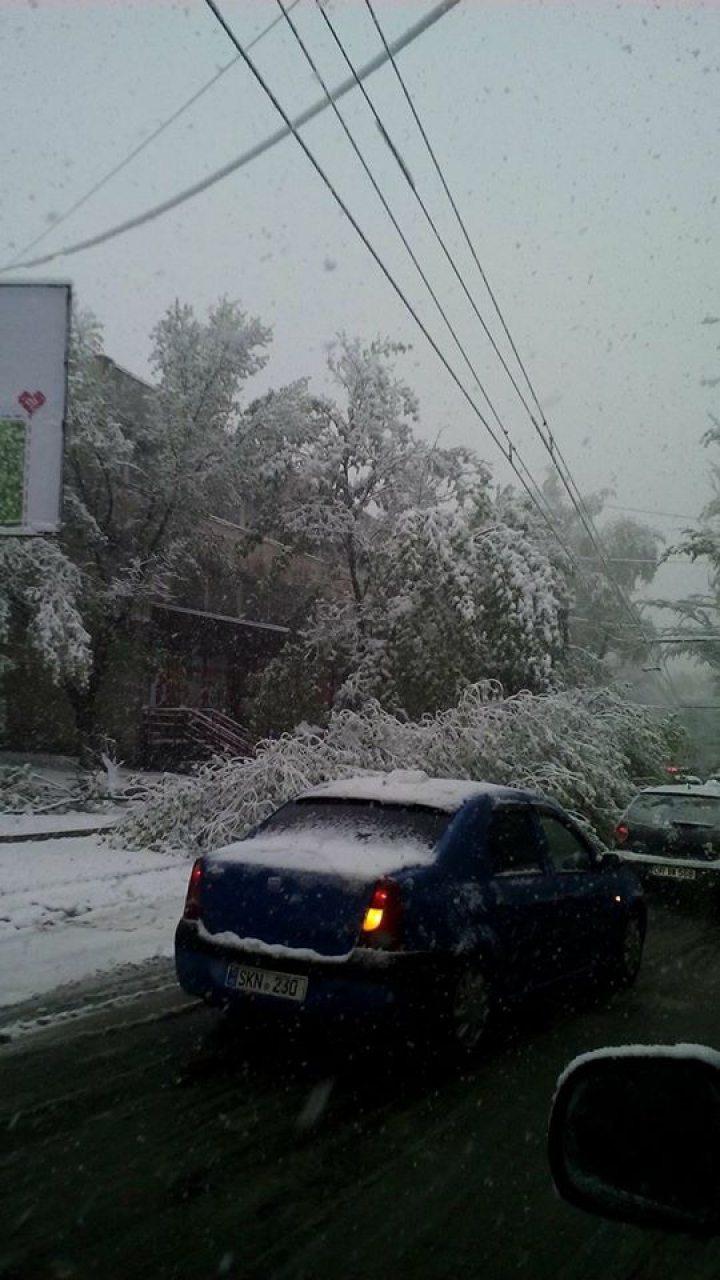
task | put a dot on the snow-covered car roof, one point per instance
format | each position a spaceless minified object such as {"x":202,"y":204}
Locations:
{"x":409,"y":787}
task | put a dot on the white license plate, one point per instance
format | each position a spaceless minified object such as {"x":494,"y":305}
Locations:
{"x":266,"y":982}
{"x":674,"y":873}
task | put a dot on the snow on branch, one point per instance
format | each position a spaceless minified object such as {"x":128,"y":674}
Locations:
{"x":41,"y":584}
{"x":584,"y":748}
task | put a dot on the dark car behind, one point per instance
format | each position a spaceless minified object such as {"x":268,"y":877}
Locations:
{"x":671,"y":836}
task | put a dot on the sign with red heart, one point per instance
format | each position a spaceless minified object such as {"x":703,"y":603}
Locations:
{"x":35,"y":325}
{"x":31,"y":401}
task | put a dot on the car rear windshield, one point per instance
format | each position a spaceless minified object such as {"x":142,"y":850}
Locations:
{"x":362,"y":820}
{"x":662,"y":810}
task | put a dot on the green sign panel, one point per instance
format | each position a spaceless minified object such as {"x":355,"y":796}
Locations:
{"x":13,"y":438}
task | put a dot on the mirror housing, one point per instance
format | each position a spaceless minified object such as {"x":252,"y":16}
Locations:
{"x":635,"y":1136}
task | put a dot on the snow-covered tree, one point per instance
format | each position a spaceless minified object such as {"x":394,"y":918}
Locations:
{"x":356,"y":464}
{"x":143,"y":471}
{"x":453,"y":599}
{"x":698,"y":615}
{"x":40,"y":595}
{"x":600,"y":623}
{"x":441,"y":591}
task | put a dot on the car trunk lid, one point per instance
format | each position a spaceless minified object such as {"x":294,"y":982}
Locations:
{"x":306,"y":879}
{"x":282,"y":907}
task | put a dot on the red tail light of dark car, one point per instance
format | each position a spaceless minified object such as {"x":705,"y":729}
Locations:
{"x":194,"y":892}
{"x":621,"y":833}
{"x":382,"y":922}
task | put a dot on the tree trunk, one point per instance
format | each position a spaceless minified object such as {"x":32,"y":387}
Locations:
{"x":83,"y":700}
{"x":351,"y":556}
{"x":86,"y":728}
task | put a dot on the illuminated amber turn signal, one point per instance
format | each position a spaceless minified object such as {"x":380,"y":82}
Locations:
{"x":375,"y":912}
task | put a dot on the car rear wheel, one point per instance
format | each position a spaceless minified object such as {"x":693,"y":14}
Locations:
{"x":470,"y":1008}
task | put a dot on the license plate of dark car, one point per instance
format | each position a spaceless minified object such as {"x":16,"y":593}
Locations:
{"x":674,"y":873}
{"x":266,"y":982}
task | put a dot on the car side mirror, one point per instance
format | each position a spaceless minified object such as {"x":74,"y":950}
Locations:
{"x":635,"y":1136}
{"x":610,"y":861}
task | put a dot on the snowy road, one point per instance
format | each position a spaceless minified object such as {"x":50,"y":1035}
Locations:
{"x":73,"y":907}
{"x":137,"y":1142}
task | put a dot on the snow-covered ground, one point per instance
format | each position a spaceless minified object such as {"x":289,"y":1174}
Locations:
{"x":72,"y":907}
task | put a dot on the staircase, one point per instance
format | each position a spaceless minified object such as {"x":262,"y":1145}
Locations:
{"x":176,"y":736}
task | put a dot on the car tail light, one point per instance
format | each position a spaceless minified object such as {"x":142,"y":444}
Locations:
{"x":382,"y":922}
{"x":621,"y":832}
{"x":192,"y":900}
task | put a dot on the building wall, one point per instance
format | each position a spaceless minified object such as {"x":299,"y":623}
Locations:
{"x":178,"y":658}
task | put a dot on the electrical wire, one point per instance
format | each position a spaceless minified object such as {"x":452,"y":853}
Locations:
{"x":650,"y":511}
{"x":548,"y":440}
{"x":508,"y":454}
{"x":549,"y":443}
{"x":456,"y":211}
{"x":418,"y":197}
{"x":512,"y":450}
{"x":638,"y":560}
{"x":142,"y":146}
{"x":213,"y":7}
{"x":258,"y":149}
{"x":166,"y":206}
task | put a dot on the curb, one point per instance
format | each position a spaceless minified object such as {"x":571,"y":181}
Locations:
{"x":23,"y":837}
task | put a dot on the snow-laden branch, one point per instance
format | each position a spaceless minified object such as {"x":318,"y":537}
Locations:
{"x":585,"y":749}
{"x":42,"y":587}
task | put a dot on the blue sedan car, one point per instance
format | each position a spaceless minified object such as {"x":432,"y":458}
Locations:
{"x":404,"y":894}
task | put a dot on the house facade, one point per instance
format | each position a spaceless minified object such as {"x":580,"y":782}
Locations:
{"x":179,"y":682}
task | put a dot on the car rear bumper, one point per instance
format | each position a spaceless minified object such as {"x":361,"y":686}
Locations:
{"x":366,"y":983}
{"x":674,"y":874}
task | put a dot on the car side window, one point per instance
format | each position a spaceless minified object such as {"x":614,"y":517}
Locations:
{"x":567,"y":849}
{"x":512,"y":844}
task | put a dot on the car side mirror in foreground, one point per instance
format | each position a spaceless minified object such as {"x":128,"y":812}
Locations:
{"x":635,"y":1136}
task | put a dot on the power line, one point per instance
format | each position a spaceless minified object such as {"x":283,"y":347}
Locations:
{"x":552,"y":447}
{"x":638,"y":560}
{"x":428,"y":216}
{"x":371,"y":249}
{"x":549,"y":443}
{"x":540,"y":501}
{"x":316,"y":165}
{"x":258,"y":149}
{"x":650,"y":511}
{"x":511,"y":449}
{"x":689,"y":639}
{"x":142,"y":146}
{"x":449,"y":195}
{"x":376,"y":187}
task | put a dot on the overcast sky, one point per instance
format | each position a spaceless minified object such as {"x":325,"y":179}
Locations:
{"x":581,"y":141}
